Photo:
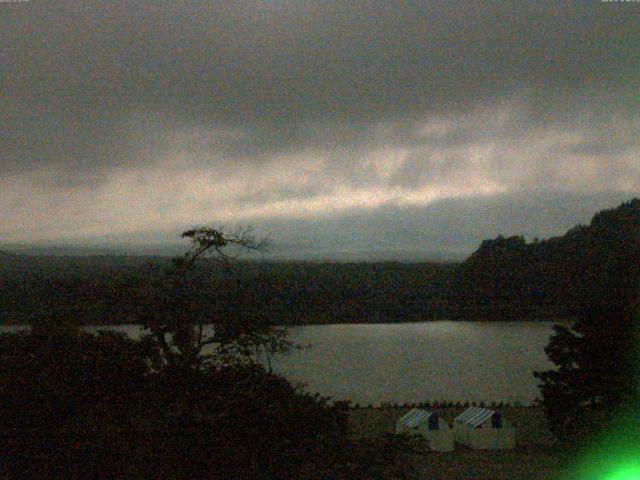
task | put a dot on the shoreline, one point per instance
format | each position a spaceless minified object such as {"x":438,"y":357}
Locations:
{"x":535,"y":457}
{"x":530,"y":422}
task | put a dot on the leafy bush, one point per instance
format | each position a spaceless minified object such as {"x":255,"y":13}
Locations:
{"x":75,"y":405}
{"x":51,"y":375}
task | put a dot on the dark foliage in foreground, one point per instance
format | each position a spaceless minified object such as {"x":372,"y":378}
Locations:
{"x":74,"y":405}
{"x":50,"y":376}
{"x":597,"y":356}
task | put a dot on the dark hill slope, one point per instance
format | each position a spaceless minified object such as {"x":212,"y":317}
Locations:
{"x":506,"y":278}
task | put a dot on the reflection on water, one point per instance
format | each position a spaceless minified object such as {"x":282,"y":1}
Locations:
{"x":414,"y":362}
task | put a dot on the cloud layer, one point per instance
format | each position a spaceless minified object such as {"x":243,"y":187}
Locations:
{"x":123,"y":117}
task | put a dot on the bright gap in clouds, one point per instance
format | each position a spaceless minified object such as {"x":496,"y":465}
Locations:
{"x":195,"y":174}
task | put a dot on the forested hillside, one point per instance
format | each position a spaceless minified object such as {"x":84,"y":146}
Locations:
{"x":507,"y":278}
{"x":103,"y":290}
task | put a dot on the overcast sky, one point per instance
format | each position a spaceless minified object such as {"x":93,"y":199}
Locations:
{"x":130,"y":120}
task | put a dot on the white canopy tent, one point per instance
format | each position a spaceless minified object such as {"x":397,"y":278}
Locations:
{"x":434,"y":429}
{"x":484,"y":429}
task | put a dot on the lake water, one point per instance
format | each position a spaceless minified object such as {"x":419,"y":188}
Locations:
{"x":417,"y":362}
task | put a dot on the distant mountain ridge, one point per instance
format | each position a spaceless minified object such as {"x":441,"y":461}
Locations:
{"x":72,"y":250}
{"x":281,"y":253}
{"x":446,"y":229}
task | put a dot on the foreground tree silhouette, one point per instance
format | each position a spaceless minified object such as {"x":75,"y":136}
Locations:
{"x":189,"y":332}
{"x":225,"y":416}
{"x":186,"y":401}
{"x":597,"y":372}
{"x":215,"y":412}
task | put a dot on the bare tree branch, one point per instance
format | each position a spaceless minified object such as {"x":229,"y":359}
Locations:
{"x":177,"y":327}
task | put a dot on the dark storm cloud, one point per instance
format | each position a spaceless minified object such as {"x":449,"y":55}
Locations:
{"x":160,"y":110}
{"x":80,"y":66}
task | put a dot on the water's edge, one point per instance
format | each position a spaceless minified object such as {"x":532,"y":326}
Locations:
{"x":419,"y":363}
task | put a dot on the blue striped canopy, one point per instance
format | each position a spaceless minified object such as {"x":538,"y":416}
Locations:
{"x":474,"y":416}
{"x":415,"y":417}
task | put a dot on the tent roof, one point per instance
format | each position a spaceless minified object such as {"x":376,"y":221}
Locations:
{"x":474,"y":416}
{"x":415,"y":417}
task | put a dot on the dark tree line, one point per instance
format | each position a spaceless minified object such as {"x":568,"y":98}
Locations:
{"x":507,"y":278}
{"x":74,"y":405}
{"x":290,"y":293}
{"x":597,"y":357}
{"x":504,"y":279}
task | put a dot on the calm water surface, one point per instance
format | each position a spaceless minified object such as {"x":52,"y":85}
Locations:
{"x":416,"y":362}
